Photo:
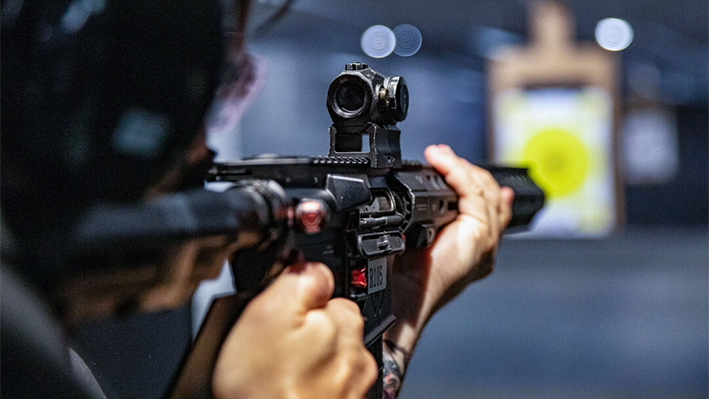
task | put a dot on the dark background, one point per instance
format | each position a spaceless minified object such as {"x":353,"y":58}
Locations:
{"x":620,"y":317}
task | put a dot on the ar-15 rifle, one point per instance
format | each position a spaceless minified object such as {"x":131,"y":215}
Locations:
{"x":353,"y":210}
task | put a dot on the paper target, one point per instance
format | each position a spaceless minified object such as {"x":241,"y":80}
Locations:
{"x":558,"y":160}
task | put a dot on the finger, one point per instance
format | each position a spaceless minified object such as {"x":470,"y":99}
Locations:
{"x":479,"y":193}
{"x":371,"y":371}
{"x":440,"y":157}
{"x":305,"y":285}
{"x":508,"y":196}
{"x":358,"y":370}
{"x":465,"y":178}
{"x":346,"y":315}
{"x":365,"y":374}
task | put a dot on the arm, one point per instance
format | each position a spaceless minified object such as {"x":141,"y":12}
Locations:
{"x":294,"y":341}
{"x":426,"y":279}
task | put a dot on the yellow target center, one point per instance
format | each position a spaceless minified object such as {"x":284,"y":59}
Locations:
{"x":558,"y":161}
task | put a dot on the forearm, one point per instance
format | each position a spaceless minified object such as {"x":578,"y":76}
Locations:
{"x":412,"y":306}
{"x":398,"y":345}
{"x":417,"y":294}
{"x":395,"y":361}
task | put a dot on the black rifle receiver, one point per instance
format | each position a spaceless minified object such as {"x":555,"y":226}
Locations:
{"x":354,"y":210}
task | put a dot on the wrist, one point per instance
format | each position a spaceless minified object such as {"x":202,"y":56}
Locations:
{"x":400,"y":339}
{"x":412,"y":303}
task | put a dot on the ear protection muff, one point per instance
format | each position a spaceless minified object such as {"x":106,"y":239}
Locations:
{"x":99,"y":98}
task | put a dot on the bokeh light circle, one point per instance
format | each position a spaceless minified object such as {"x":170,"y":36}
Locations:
{"x":408,"y":40}
{"x":378,"y":41}
{"x":614,"y":34}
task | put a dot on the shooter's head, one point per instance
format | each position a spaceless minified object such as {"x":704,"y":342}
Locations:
{"x":102,"y":100}
{"x":359,"y":95}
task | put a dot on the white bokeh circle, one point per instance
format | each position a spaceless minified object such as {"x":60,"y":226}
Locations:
{"x":614,"y":34}
{"x":408,"y":40}
{"x":378,"y":41}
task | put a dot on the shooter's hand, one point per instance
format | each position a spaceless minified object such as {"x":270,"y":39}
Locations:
{"x":293,"y":341}
{"x":464,"y":251}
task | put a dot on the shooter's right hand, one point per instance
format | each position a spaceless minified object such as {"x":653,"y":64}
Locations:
{"x":294,"y":341}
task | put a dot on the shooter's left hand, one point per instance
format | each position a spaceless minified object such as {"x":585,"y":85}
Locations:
{"x":426,"y":279}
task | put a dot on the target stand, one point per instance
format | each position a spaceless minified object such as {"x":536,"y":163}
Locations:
{"x":553,"y":108}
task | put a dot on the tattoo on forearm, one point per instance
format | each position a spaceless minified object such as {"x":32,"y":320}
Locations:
{"x":395,"y":359}
{"x":392,"y":373}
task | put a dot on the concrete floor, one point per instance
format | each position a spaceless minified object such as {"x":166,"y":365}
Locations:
{"x":618,"y":318}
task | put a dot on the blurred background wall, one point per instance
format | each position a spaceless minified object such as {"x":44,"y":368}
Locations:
{"x":624,"y":316}
{"x":619,"y":317}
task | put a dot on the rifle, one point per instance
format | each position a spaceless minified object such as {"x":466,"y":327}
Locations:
{"x":355,"y":210}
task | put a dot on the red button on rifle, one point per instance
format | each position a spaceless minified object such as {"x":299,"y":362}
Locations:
{"x":311,"y":215}
{"x":359,"y":278}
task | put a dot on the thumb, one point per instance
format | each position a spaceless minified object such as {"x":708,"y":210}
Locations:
{"x":441,"y":157}
{"x":455,"y":170}
{"x":308,"y":285}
